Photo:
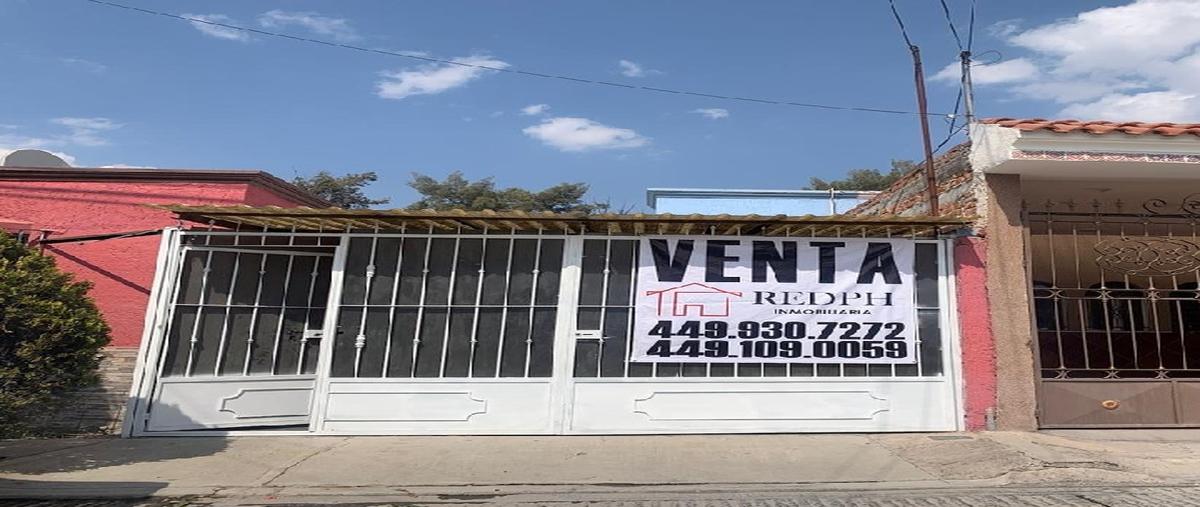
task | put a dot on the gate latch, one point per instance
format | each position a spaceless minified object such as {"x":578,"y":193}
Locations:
{"x":589,"y":334}
{"x":313,"y":334}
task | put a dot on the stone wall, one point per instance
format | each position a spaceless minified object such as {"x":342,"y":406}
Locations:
{"x":98,"y":409}
{"x":956,"y":191}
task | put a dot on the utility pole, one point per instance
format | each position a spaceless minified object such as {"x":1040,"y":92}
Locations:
{"x":931,"y":190}
{"x":968,"y":92}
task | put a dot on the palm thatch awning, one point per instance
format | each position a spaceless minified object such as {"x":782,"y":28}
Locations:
{"x":333,"y":220}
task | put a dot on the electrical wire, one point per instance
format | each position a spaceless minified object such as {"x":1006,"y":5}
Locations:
{"x":900,"y":23}
{"x":953,"y":30}
{"x":952,"y":120}
{"x":512,"y":71}
{"x":971,"y":28}
{"x":947,"y":139}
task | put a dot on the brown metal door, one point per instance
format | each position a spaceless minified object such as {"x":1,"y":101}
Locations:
{"x":1116,"y":306}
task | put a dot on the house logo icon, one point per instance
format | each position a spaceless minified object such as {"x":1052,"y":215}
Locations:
{"x":695,"y":300}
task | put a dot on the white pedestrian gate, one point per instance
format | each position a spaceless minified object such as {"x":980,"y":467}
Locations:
{"x":480,"y":334}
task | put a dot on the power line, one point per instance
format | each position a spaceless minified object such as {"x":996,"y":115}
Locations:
{"x":508,"y":70}
{"x":900,"y":23}
{"x":971,"y":27}
{"x":953,"y":30}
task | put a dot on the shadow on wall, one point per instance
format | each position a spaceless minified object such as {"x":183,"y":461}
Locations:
{"x":99,"y":270}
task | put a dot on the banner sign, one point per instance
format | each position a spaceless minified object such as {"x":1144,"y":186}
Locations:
{"x":766,"y":300}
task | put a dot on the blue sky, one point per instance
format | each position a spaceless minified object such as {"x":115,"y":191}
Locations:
{"x":113,"y":87}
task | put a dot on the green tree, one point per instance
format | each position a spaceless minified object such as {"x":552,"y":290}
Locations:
{"x":50,"y":336}
{"x":865,"y":179}
{"x":344,"y":191}
{"x":457,"y":192}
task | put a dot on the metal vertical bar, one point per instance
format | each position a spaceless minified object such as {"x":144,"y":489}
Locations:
{"x":1104,"y":297}
{"x":478,"y":300}
{"x":329,"y":326}
{"x":1080,"y":302}
{"x":195,"y":337}
{"x":920,"y":340}
{"x":158,"y":308}
{"x":891,"y":366}
{"x":791,"y":366}
{"x":312,"y":289}
{"x":416,"y":345}
{"x":282,"y":312}
{"x":1128,"y":302}
{"x":262,"y":271}
{"x":237,"y":260}
{"x":360,"y":341}
{"x":604,"y":301}
{"x":1054,"y":296}
{"x":1158,"y":352}
{"x":537,"y":271}
{"x":633,"y":276}
{"x":387,"y":347}
{"x":449,"y":307}
{"x":512,"y":243}
{"x":1182,"y":327}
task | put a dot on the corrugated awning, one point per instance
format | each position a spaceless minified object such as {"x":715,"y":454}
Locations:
{"x":272,"y":218}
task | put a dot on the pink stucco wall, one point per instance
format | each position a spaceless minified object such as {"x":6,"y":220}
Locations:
{"x":978,"y":348}
{"x":120,"y":269}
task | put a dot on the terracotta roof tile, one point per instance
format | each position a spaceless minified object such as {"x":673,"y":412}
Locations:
{"x":1135,"y":128}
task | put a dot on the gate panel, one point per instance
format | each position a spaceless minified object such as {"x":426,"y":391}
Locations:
{"x":612,"y":395}
{"x":240,"y":344}
{"x":443,"y":333}
{"x":1116,"y":309}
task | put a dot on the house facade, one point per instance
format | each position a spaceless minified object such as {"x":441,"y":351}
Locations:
{"x":99,"y":226}
{"x":1054,"y":287}
{"x":1080,"y":270}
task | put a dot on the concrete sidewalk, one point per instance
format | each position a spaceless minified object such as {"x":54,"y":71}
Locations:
{"x":441,"y":467}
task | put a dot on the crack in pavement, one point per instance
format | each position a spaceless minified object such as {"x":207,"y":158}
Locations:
{"x":286,"y":469}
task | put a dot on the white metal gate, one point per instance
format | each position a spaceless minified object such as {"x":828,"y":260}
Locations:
{"x":235,"y":336}
{"x":529,"y":333}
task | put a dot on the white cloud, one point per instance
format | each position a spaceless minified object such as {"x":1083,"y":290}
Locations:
{"x":80,"y":132}
{"x":1008,"y":71}
{"x":712,"y":113}
{"x":1141,"y":106}
{"x":634,"y":69}
{"x":70,"y":160}
{"x":535,"y":109}
{"x":1005,"y":27}
{"x":88,"y":65}
{"x":431,"y":79}
{"x":203,"y":22}
{"x":1138,"y":61}
{"x":86,"y":131}
{"x":337,"y":28}
{"x":18,"y":141}
{"x":582,"y":134}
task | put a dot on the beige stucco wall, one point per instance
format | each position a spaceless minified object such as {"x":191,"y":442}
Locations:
{"x":1008,"y":298}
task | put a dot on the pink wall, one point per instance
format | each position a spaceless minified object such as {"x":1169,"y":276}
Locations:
{"x":978,"y":348}
{"x":121,"y":270}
